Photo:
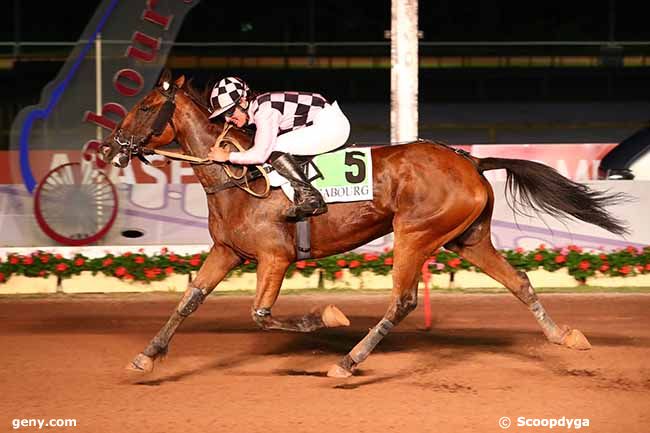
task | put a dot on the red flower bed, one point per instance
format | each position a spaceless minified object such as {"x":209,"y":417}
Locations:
{"x":141,"y":267}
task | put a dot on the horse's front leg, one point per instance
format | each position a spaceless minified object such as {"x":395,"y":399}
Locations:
{"x":218,"y":263}
{"x":270,"y":274}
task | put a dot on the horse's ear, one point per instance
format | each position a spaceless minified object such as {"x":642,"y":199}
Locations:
{"x":180,"y":81}
{"x":165,"y":77}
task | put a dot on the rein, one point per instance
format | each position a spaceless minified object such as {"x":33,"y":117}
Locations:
{"x":246,"y":187}
{"x":165,"y":116}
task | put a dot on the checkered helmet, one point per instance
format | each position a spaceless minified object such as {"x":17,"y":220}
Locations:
{"x":226,"y":93}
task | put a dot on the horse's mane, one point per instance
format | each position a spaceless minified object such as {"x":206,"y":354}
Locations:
{"x":201,"y":96}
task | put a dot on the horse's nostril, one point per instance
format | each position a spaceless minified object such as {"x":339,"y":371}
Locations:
{"x":120,"y":160}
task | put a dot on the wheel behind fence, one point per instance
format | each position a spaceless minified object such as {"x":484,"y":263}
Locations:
{"x":75,"y":204}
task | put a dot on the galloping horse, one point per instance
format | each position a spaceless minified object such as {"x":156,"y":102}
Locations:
{"x":426,"y":193}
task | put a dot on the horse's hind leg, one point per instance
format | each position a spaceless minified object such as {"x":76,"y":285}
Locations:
{"x":476,"y":246}
{"x":418,"y":231}
{"x":270,"y":274}
{"x":409,"y":256}
{"x":218,"y":263}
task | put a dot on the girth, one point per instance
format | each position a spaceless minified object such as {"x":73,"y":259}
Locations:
{"x":253,"y":174}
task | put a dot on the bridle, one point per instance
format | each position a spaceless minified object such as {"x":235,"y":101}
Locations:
{"x":165,"y":113}
{"x":128,"y":148}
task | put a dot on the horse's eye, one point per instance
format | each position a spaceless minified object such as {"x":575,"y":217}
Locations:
{"x":144,"y":108}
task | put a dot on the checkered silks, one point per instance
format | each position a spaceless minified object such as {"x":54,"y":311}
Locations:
{"x":226,"y":93}
{"x":298,"y":109}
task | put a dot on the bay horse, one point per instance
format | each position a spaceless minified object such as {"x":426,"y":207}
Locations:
{"x":427,"y":194}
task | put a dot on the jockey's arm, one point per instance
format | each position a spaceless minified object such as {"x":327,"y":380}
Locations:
{"x":267,"y":123}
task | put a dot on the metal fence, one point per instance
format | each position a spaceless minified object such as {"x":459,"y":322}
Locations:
{"x":617,"y":70}
{"x":432,"y":54}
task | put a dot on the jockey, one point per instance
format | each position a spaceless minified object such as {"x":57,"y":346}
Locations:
{"x":287,"y":123}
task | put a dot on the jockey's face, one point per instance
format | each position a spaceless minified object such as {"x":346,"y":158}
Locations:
{"x":239,"y":118}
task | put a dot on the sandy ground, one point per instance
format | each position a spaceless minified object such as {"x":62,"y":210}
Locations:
{"x":485,"y":358}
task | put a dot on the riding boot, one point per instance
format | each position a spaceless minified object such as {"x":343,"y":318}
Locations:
{"x":307,"y":200}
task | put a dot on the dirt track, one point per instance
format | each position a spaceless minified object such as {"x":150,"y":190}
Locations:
{"x":484,"y":359}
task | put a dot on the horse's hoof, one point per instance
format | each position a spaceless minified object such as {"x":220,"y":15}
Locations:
{"x":333,"y":317}
{"x":141,"y":363}
{"x":575,"y":339}
{"x":338,"y":371}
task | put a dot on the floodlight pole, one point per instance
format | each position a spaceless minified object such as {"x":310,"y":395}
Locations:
{"x":404,"y":71}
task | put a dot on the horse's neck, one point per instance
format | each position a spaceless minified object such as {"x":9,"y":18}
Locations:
{"x":196,"y":135}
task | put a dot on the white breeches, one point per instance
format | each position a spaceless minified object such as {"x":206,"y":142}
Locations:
{"x":330,"y":130}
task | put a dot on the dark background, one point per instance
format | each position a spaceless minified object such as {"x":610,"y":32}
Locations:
{"x":366,"y":21}
{"x":440,"y":20}
{"x":608,"y":94}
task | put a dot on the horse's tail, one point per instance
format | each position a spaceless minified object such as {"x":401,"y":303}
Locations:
{"x":541,"y":188}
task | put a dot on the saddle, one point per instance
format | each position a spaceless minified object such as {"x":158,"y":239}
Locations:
{"x":254,"y":173}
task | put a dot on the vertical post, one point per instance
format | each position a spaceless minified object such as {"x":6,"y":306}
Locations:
{"x":311,"y":49}
{"x":99,"y":133}
{"x":98,"y":83}
{"x":404,"y":71}
{"x":612,"y":20}
{"x":17,"y":35}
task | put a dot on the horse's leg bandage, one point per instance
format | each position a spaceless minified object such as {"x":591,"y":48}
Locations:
{"x":191,"y":301}
{"x":365,"y":346}
{"x":551,"y":330}
{"x":262,"y":312}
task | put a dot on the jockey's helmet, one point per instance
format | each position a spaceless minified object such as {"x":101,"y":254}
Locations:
{"x":226,"y":93}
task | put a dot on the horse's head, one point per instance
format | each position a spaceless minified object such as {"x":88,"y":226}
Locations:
{"x":146,"y":127}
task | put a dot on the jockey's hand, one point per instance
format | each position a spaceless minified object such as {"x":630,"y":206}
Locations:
{"x":218,"y":154}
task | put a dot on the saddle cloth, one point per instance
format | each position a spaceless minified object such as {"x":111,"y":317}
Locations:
{"x":341,"y":176}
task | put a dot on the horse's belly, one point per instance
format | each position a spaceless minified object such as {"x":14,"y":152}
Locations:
{"x":347,"y":226}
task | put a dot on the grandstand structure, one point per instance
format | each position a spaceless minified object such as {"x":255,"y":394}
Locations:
{"x":490,"y":73}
